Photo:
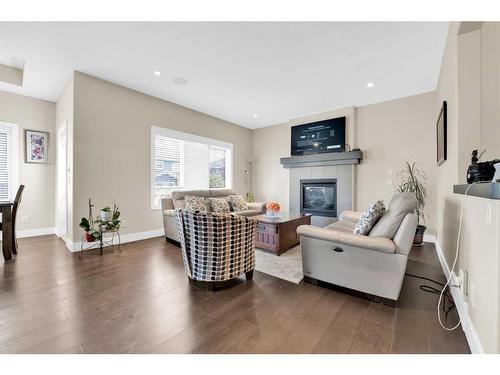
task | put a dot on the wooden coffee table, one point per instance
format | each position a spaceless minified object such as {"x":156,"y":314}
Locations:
{"x":279,"y":234}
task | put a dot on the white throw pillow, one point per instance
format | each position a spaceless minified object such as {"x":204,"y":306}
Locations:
{"x":369,"y":218}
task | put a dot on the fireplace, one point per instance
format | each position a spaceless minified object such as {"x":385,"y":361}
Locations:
{"x":319,"y":197}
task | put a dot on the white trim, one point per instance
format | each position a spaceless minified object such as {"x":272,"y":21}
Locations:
{"x":125,"y":238}
{"x":34,"y":232}
{"x":461,"y":304}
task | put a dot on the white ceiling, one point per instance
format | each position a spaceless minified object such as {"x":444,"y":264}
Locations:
{"x":280,"y":71}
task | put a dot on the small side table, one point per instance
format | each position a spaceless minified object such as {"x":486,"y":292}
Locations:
{"x":102,"y":242}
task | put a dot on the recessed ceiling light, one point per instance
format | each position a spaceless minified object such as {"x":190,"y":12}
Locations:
{"x":157,"y":73}
{"x":180,"y":81}
{"x":370,"y":84}
{"x":255,"y":115}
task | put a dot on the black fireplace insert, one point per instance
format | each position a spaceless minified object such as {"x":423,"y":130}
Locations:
{"x":319,"y":197}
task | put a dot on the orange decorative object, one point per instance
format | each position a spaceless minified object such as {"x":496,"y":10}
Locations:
{"x":273,"y":206}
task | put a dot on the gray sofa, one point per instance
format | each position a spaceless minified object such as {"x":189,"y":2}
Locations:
{"x":372,"y":264}
{"x":176,"y":200}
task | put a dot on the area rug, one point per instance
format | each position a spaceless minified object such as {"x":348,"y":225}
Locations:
{"x":287,"y":266}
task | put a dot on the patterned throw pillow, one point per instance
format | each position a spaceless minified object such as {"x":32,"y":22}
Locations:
{"x":237,"y":203}
{"x":369,"y":218}
{"x":196,"y":203}
{"x":219,"y":205}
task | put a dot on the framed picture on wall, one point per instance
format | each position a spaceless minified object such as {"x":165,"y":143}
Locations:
{"x":441,"y":135}
{"x":36,"y":146}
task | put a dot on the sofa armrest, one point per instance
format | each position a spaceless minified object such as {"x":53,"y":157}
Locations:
{"x":259,"y":206}
{"x":381,"y":244}
{"x":350,"y":216}
{"x":167,"y":203}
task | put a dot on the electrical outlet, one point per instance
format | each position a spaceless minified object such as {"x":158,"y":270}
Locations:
{"x":24,"y":219}
{"x":389,"y":181}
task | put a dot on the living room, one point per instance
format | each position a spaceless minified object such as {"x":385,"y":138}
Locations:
{"x":115,"y":161}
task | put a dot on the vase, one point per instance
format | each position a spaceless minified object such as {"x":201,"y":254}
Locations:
{"x":106,"y":215}
{"x":272,"y":214}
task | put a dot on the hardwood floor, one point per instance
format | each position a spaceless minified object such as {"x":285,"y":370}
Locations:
{"x":140,"y":301}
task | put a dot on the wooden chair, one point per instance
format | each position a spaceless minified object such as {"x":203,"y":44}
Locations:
{"x":15,"y":206}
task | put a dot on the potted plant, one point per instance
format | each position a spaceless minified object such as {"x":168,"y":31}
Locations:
{"x":85,"y":225}
{"x":415,"y":181}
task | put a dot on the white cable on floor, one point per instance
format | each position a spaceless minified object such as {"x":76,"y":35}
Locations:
{"x":455,"y":261}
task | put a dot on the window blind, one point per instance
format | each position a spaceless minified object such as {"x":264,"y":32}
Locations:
{"x":182,"y":161}
{"x":4,"y":165}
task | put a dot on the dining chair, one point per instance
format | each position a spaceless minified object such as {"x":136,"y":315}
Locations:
{"x":15,"y":206}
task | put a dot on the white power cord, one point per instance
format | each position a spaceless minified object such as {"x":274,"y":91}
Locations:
{"x":456,"y":258}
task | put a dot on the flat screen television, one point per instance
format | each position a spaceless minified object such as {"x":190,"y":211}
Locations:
{"x":319,"y":137}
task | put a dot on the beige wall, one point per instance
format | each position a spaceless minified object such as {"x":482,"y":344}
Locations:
{"x":112,"y":152}
{"x":480,"y":234}
{"x":38,"y":197}
{"x":379,"y":130}
{"x":389,"y":134}
{"x":490,"y":95}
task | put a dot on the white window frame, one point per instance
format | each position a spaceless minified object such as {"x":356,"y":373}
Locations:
{"x":175,"y":134}
{"x":13,"y":152}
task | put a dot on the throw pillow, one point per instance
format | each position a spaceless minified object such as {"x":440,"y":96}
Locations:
{"x":195,"y":203}
{"x":219,"y":205}
{"x":399,"y":206}
{"x":369,"y":218}
{"x":237,"y":203}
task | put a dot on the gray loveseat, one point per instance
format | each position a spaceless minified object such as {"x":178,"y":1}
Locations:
{"x":176,"y":200}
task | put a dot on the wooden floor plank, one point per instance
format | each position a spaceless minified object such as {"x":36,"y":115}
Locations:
{"x":140,"y":301}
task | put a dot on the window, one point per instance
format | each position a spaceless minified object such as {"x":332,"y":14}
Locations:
{"x":182,"y":161}
{"x":8,"y":161}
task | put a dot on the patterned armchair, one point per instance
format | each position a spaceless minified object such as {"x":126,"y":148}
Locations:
{"x":216,"y":247}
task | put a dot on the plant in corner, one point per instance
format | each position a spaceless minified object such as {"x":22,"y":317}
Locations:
{"x":415,"y":181}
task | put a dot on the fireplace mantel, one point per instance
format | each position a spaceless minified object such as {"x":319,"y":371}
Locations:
{"x":319,"y":160}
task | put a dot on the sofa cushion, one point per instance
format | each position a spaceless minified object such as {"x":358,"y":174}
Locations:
{"x":179,"y":195}
{"x":219,"y":193}
{"x":219,"y":205}
{"x":399,"y":206}
{"x":196,"y":203}
{"x":237,"y":203}
{"x":369,"y":218}
{"x":247,"y":213}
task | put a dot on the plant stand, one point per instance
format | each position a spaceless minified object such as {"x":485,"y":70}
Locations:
{"x":110,"y":241}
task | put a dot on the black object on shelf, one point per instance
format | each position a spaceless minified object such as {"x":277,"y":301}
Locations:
{"x":480,"y":171}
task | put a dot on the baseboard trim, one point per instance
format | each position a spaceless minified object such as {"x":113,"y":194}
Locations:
{"x":34,"y":232}
{"x":125,"y":238}
{"x":462,"y":307}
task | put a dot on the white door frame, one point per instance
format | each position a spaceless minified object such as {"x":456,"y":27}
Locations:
{"x":62,"y":180}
